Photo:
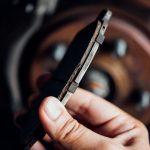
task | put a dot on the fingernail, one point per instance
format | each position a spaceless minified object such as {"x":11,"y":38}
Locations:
{"x":52,"y":109}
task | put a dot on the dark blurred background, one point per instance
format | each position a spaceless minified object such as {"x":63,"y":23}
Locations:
{"x":34,"y":36}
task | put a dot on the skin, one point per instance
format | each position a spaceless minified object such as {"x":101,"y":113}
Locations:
{"x":90,"y":123}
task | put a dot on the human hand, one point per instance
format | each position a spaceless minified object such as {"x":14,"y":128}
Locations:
{"x":92,"y":123}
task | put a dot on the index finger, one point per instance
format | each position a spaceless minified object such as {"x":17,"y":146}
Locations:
{"x":93,"y":108}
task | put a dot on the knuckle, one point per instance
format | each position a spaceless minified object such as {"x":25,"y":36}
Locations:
{"x":69,"y":132}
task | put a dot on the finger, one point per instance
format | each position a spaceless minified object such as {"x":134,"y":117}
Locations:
{"x":93,"y":108}
{"x":118,"y":125}
{"x":63,"y":128}
{"x":108,"y":119}
{"x":136,"y":137}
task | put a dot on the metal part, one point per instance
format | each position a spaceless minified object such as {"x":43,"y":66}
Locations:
{"x":86,"y":60}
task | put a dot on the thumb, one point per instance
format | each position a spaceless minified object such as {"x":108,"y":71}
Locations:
{"x":59,"y":125}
